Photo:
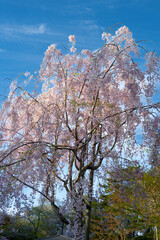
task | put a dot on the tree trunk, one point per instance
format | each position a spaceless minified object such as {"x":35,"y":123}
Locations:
{"x":87,"y":222}
{"x":62,"y":228}
{"x":89,"y":208}
{"x":61,"y":217}
{"x":79,"y":226}
{"x":155,"y":233}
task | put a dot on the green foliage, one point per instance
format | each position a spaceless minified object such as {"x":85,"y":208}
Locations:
{"x":128,"y":207}
{"x":34,"y":223}
{"x":17,"y":229}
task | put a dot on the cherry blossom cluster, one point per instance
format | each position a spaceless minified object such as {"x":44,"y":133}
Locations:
{"x":73,"y":40}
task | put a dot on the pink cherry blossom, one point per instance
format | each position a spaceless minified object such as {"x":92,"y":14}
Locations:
{"x":73,"y":49}
{"x":71,"y":38}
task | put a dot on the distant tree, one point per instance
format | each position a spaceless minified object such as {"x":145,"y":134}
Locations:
{"x":4,"y":221}
{"x":118,"y":216}
{"x":150,"y":203}
{"x":86,"y":115}
{"x":131,"y":204}
{"x":35,"y":222}
{"x":43,"y":221}
{"x":16,"y":228}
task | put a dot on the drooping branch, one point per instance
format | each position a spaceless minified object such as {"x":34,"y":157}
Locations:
{"x":55,"y":208}
{"x":156,"y":106}
{"x":13,"y":163}
{"x":60,"y":147}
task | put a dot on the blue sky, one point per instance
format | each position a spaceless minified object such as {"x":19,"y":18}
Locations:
{"x":27,"y":27}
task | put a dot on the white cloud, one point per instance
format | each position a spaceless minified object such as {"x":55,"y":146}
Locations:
{"x":14,"y":30}
{"x":33,"y":29}
{"x":89,"y":10}
{"x":115,"y":4}
{"x":89,"y":25}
